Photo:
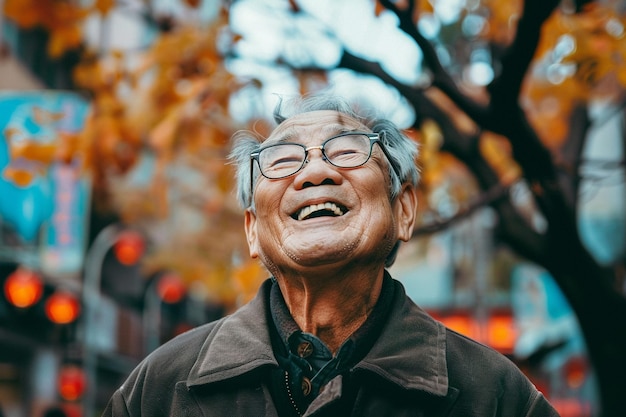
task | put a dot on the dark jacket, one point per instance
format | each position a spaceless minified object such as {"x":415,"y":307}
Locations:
{"x":416,"y":368}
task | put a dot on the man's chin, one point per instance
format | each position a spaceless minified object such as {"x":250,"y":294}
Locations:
{"x":321,"y":241}
{"x":318,"y":255}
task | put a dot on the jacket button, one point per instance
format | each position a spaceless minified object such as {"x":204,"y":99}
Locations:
{"x":305,"y":349}
{"x":306,"y":386}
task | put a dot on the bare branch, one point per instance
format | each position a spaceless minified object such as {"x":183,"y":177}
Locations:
{"x":497,"y":192}
{"x":441,"y":78}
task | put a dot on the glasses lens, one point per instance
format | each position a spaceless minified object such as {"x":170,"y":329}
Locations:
{"x":348,"y":151}
{"x":281,"y":160}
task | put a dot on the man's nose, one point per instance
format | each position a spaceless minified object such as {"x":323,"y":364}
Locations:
{"x":317,"y":153}
{"x":316,"y":170}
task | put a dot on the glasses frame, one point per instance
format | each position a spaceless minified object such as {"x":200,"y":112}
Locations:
{"x":373,"y":137}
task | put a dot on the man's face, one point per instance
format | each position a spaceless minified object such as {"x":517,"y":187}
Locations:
{"x":351,"y":218}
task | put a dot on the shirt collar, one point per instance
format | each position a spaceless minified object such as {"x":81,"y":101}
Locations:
{"x":410,"y":351}
{"x":354,"y":348}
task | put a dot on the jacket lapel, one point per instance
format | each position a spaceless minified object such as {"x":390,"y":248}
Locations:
{"x":238,"y":344}
{"x":411,"y":351}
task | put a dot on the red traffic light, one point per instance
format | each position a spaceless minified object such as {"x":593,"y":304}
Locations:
{"x":62,"y":307}
{"x":71,"y":382}
{"x":170,"y":288}
{"x":23,"y":288}
{"x":129,"y":247}
{"x":575,"y":372}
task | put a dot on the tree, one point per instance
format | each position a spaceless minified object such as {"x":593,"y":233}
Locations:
{"x":156,"y":146}
{"x":542,"y":149}
{"x":155,"y":143}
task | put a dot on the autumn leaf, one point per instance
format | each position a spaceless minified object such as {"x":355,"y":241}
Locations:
{"x":497,"y":152}
{"x":247,"y":277}
{"x":163,"y":136}
{"x":503,"y":18}
{"x":25,"y":13}
{"x":64,"y":39}
{"x":69,"y":147}
{"x":104,"y":6}
{"x":193,"y":3}
{"x":293,"y":5}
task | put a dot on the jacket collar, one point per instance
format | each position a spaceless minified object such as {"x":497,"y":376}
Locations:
{"x":410,"y":351}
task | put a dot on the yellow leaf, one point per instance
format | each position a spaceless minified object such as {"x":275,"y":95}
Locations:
{"x":19,"y":177}
{"x":497,"y":152}
{"x":247,"y":278}
{"x":193,"y":3}
{"x":25,"y":13}
{"x":64,"y":39}
{"x":163,"y":136}
{"x":104,"y":6}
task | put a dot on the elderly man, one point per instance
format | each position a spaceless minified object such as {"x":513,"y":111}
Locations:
{"x":328,"y":196}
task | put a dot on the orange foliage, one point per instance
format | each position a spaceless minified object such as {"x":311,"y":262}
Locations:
{"x":193,"y":3}
{"x":420,"y":7}
{"x":598,"y":43}
{"x":64,"y":38}
{"x":104,"y":6}
{"x":61,"y":18}
{"x":293,"y":4}
{"x":579,"y":57}
{"x":502,"y":19}
{"x":378,"y":8}
{"x":26,"y":13}
{"x":170,"y":112}
{"x":498,"y":153}
{"x":247,"y":278}
{"x":548,"y":108}
{"x":442,"y":174}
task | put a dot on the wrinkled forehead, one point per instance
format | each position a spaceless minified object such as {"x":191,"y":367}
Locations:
{"x":314,"y":126}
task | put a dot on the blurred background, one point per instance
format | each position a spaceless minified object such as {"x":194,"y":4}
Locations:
{"x":119,"y":227}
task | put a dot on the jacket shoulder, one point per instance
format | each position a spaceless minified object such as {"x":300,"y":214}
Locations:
{"x":487,"y":376}
{"x":173,"y":360}
{"x":151,"y":386}
{"x":466,"y":354}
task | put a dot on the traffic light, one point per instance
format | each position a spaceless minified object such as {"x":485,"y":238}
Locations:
{"x":129,"y":247}
{"x":62,"y":307}
{"x":23,"y":288}
{"x":170,"y":288}
{"x":32,"y":307}
{"x":71,"y":382}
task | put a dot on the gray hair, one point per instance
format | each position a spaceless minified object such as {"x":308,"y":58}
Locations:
{"x":403,"y":151}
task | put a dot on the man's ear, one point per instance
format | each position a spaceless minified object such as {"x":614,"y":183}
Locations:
{"x":405,"y":209}
{"x":251,"y":232}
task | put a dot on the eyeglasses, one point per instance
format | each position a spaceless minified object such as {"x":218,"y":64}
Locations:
{"x":346,"y":150}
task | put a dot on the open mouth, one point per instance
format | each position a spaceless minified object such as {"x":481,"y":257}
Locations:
{"x":319,"y":210}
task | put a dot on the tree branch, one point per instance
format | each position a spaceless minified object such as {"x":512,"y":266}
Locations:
{"x":441,"y":78}
{"x":505,"y":89}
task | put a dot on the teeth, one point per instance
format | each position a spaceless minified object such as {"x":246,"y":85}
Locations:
{"x":306,"y":211}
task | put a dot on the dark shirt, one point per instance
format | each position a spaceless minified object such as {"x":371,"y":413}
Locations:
{"x":305,"y":361}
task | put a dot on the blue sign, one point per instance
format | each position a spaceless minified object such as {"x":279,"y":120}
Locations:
{"x":44,"y":198}
{"x":542,"y":313}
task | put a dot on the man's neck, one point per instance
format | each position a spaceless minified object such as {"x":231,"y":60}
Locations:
{"x":333,"y":309}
